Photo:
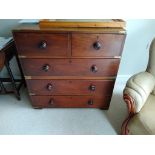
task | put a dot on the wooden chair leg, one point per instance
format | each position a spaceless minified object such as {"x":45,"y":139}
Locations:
{"x":124,"y":129}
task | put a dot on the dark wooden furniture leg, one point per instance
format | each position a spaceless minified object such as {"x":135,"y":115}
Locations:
{"x":16,"y":90}
{"x":3,"y":90}
{"x":7,"y":53}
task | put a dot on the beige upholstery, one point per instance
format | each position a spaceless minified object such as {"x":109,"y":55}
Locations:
{"x":144,"y":122}
{"x":141,"y":88}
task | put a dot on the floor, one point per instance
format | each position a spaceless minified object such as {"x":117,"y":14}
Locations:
{"x":19,"y":118}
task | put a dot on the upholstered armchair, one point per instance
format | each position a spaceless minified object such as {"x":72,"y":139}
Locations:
{"x":139,"y":95}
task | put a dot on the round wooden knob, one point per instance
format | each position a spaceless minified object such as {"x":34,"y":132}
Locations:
{"x":51,"y":101}
{"x":49,"y":86}
{"x":43,"y":45}
{"x":90,"y":102}
{"x":92,"y":87}
{"x":94,"y":68}
{"x":97,"y":45}
{"x":46,"y":67}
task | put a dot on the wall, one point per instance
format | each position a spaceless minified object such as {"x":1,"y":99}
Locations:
{"x":135,"y":53}
{"x":136,"y":49}
{"x":6,"y":25}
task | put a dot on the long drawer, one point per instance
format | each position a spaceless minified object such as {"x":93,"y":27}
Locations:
{"x":42,"y":44}
{"x":70,"y":87}
{"x":70,"y":101}
{"x":70,"y":67}
{"x":105,"y":45}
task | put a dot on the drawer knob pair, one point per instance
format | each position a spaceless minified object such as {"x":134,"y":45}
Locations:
{"x":42,"y":45}
{"x":90,"y":102}
{"x":51,"y":101}
{"x":97,"y":45}
{"x":49,"y":86}
{"x":46,"y":67}
{"x":92,"y":87}
{"x":94,"y":68}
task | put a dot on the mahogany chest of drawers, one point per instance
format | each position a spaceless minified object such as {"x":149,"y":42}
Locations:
{"x":69,"y":67}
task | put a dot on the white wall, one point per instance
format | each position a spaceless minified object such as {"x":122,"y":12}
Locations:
{"x":6,"y":26}
{"x":136,"y":49}
{"x":135,"y":53}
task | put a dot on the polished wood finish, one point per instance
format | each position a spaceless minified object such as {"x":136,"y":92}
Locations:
{"x":70,"y":77}
{"x":70,"y":67}
{"x":131,"y":112}
{"x":31,"y":44}
{"x":71,"y":87}
{"x":34,"y":28}
{"x":84,"y":45}
{"x":63,"y":57}
{"x":117,"y":23}
{"x":71,"y":101}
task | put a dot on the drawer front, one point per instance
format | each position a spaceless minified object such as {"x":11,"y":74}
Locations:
{"x":70,"y":87}
{"x":96,"y":45}
{"x":41,"y":44}
{"x":67,"y":67}
{"x":71,"y":101}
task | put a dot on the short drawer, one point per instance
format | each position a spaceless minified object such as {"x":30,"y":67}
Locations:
{"x":70,"y":102}
{"x":70,"y":87}
{"x":41,"y":44}
{"x":68,"y":67}
{"x":97,"y":45}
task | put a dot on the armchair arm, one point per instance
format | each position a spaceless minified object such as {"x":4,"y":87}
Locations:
{"x":138,"y":88}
